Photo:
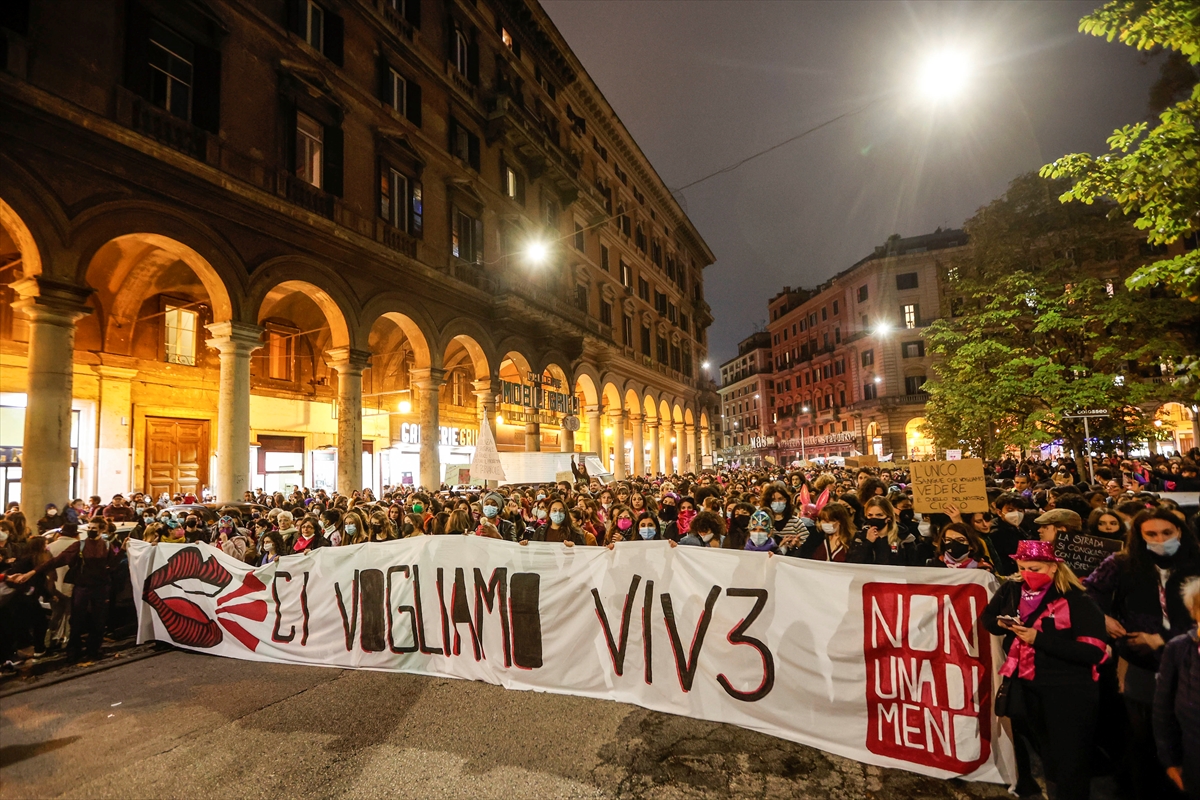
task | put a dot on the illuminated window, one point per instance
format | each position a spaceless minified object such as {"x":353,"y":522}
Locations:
{"x":179,"y":327}
{"x":279,"y":354}
{"x":310,"y":149}
{"x":911,"y":316}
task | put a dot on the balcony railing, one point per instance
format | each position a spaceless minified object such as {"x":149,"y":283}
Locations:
{"x":309,"y":197}
{"x":165,"y":128}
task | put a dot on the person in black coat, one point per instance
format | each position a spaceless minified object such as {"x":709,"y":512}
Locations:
{"x":1139,"y":592}
{"x":1177,"y":702}
{"x":1054,"y":637}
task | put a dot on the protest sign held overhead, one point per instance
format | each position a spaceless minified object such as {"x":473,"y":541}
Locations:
{"x":485,"y":464}
{"x":1082,"y":551}
{"x":937,"y":484}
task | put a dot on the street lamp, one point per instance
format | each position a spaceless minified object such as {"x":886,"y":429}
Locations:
{"x":943,"y":75}
{"x":537,"y":252}
{"x":803,"y":428}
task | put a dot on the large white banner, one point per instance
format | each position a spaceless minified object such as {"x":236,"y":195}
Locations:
{"x":884,"y":665}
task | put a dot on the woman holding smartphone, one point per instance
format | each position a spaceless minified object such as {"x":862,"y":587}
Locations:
{"x":1055,"y":639}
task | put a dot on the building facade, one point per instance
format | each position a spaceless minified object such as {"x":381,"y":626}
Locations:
{"x":850,"y":358}
{"x":316,"y":242}
{"x":746,"y":391}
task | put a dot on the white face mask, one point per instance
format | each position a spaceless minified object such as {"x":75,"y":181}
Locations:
{"x":540,"y":513}
{"x":828,"y":528}
{"x":3,"y":536}
{"x":269,"y":547}
{"x":759,"y":537}
{"x":706,"y":537}
{"x":1014,"y":517}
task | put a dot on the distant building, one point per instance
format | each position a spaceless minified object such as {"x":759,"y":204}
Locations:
{"x":849,"y":357}
{"x":746,"y":399}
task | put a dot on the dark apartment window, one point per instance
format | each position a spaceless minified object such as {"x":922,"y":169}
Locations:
{"x":604,"y":261}
{"x":409,"y":9}
{"x":640,"y":238}
{"x":466,"y":237}
{"x":400,"y":201}
{"x":824,"y":314}
{"x":914,"y":349}
{"x":464,"y":52}
{"x":660,"y":302}
{"x":912,"y":385}
{"x":181,"y":76}
{"x":464,"y":144}
{"x":579,"y":243}
{"x":310,"y":150}
{"x":317,"y":25}
{"x":842,"y":401}
{"x":626,"y":275}
{"x":672,"y":313}
{"x":581,"y":298}
{"x":685,"y":323}
{"x":606,"y":313}
{"x":646,"y":340}
{"x":868,"y":358}
{"x":644,"y":289}
{"x":835,"y":308}
{"x":869,"y":391}
{"x":403,"y":95}
{"x":662,"y":350}
{"x":837,"y":335}
{"x":862,"y":293}
{"x":906,"y":281}
{"x":676,"y":362}
{"x":627,"y":330}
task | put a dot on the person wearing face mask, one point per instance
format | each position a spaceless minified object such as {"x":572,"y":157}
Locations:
{"x":1054,"y":638}
{"x":77,"y":512}
{"x":50,"y":520}
{"x":759,"y":530}
{"x":91,"y":564}
{"x":668,"y":507}
{"x":621,"y":527}
{"x":491,"y":507}
{"x":647,"y":530}
{"x":1139,"y":591}
{"x":678,"y":527}
{"x":331,"y":526}
{"x":885,"y":545}
{"x":785,"y":519}
{"x":958,"y":546}
{"x":1106,"y":524}
{"x":835,"y":540}
{"x":272,"y":547}
{"x":539,"y":518}
{"x":1008,"y":529}
{"x":559,"y":528}
{"x":707,"y":530}
{"x":737,"y":531}
{"x":1177,"y":702}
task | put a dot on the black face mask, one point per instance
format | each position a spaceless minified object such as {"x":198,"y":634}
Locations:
{"x":739,"y":523}
{"x":907,"y":515}
{"x":669,"y":513}
{"x":957,"y":549}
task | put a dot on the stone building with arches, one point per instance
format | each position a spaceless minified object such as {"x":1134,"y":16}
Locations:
{"x":286,"y":244}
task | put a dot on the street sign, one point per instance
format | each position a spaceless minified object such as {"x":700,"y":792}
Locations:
{"x":1086,"y":413}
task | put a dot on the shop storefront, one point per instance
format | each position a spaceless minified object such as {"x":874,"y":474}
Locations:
{"x":12,"y":431}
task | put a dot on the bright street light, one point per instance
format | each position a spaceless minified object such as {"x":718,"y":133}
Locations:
{"x":404,"y":407}
{"x":705,"y":365}
{"x":537,"y":252}
{"x":882,"y":329}
{"x":499,"y":419}
{"x":804,"y":409}
{"x":943,"y":75}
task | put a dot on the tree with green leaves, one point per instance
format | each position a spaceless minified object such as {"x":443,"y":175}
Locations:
{"x":1151,"y":174}
{"x":1040,"y":323}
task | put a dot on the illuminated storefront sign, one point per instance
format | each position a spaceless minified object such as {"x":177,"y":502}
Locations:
{"x":410,"y":433}
{"x":537,"y":396}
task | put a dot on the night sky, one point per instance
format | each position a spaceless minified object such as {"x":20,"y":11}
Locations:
{"x":703,"y":84}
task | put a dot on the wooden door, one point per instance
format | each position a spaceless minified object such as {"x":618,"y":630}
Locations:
{"x":176,"y":455}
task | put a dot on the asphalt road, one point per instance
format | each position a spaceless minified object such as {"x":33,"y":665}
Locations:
{"x":192,"y":726}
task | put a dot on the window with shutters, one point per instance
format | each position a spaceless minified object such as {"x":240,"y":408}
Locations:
{"x":862,"y":293}
{"x":399,"y":91}
{"x":906,"y":281}
{"x":627,"y":330}
{"x":400,"y":201}
{"x":464,"y":145}
{"x":314,"y":25}
{"x":675,"y":358}
{"x":646,"y":340}
{"x":171,"y":64}
{"x":662,"y":355}
{"x":914,"y":349}
{"x":507,"y":38}
{"x":310,"y":150}
{"x":606,"y":313}
{"x":466,"y":237}
{"x":672,"y":313}
{"x":835,"y":308}
{"x":581,"y":298}
{"x":913,"y":384}
{"x":462,"y":51}
{"x":604,"y":259}
{"x":868,"y":358}
{"x":579,"y":241}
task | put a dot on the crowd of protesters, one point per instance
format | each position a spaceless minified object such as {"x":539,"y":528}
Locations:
{"x":1102,"y":670}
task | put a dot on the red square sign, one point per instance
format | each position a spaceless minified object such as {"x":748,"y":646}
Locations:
{"x":929,"y":674}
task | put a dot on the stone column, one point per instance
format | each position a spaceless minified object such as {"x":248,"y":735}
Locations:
{"x":687,"y":450}
{"x":618,"y":423}
{"x":533,"y":437}
{"x":595,"y":432}
{"x":655,"y":446}
{"x":706,"y":441}
{"x":639,"y":446}
{"x":697,"y":445}
{"x":52,"y":309}
{"x":669,"y":447}
{"x":349,"y":365}
{"x":115,"y":445}
{"x":485,"y":402}
{"x":426,"y":385}
{"x":235,"y":341}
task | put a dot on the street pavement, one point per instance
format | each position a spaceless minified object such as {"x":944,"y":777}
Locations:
{"x":182,"y":725}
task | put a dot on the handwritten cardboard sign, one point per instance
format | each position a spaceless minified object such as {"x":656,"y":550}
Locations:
{"x":954,"y":455}
{"x":939,"y":483}
{"x":1084,"y":552}
{"x":862,"y":461}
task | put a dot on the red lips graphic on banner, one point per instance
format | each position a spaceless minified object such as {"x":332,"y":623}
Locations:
{"x":186,"y":622}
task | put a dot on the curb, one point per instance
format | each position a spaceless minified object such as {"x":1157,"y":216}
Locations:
{"x":113,"y":661}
